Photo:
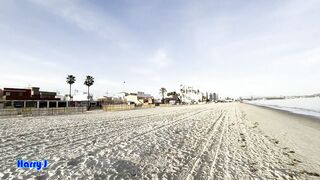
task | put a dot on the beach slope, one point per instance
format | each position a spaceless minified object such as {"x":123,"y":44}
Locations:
{"x":300,"y":133}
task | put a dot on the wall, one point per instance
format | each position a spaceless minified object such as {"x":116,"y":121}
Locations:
{"x":118,"y":107}
{"x":41,"y":111}
{"x":121,"y":107}
{"x":166,"y":105}
{"x":133,"y":98}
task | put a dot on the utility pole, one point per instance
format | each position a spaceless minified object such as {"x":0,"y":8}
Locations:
{"x":124,"y":83}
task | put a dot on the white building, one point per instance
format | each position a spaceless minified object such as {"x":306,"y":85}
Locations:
{"x":81,"y":96}
{"x":189,"y":95}
{"x":139,"y":98}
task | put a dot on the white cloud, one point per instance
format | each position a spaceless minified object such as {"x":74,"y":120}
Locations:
{"x":154,"y":66}
{"x":87,"y":19}
{"x":19,"y":57}
{"x":148,"y":73}
{"x":234,"y":50}
{"x":160,"y":59}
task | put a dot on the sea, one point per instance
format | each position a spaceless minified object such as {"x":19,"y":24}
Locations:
{"x":305,"y":106}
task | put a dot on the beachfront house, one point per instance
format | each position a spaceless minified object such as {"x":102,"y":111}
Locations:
{"x":189,"y":95}
{"x":139,"y":98}
{"x":1,"y":99}
{"x":32,"y":93}
{"x":1,"y":95}
{"x":28,"y":97}
{"x":105,"y":100}
{"x":172,"y":98}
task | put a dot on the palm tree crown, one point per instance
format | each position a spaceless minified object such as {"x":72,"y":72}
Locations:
{"x":71,"y":79}
{"x":162,"y":92}
{"x":89,"y":81}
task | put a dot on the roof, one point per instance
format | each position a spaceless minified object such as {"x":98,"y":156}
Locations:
{"x":140,"y":95}
{"x":144,"y":96}
{"x":16,"y":89}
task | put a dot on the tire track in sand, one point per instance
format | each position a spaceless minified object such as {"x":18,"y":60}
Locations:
{"x":210,"y":133}
{"x":222,"y":135}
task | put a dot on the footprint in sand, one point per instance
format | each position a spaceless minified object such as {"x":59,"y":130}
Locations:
{"x":275,"y":141}
{"x":296,"y":160}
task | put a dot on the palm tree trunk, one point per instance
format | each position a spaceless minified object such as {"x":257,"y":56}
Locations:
{"x":162,"y":98}
{"x":70,"y":92}
{"x":88,"y":98}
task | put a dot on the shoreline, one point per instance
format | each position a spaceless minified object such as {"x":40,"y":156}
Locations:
{"x":298,"y":132}
{"x":314,"y":120}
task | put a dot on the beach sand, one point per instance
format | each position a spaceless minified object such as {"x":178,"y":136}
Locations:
{"x":300,"y":133}
{"x":213,"y":141}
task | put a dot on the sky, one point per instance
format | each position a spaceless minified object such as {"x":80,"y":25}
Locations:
{"x":235,"y":48}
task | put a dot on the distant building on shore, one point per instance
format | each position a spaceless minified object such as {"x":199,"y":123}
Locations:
{"x":118,"y":98}
{"x":215,"y":97}
{"x":28,"y":97}
{"x":1,"y":94}
{"x":139,"y":98}
{"x":32,"y":93}
{"x":189,"y":95}
{"x":172,"y":98}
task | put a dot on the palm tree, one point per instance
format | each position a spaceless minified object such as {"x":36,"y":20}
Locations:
{"x":71,"y":80}
{"x":89,"y":82}
{"x":162,"y":92}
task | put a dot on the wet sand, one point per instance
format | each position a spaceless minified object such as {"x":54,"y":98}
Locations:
{"x":294,"y":131}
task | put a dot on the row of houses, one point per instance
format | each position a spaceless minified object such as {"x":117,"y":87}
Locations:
{"x":32,"y":93}
{"x":190,"y":95}
{"x":138,"y":98}
{"x":28,"y":97}
{"x":186,"y":95}
{"x":33,"y":97}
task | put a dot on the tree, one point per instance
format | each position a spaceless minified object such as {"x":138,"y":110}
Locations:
{"x":162,"y":92}
{"x":89,"y":82}
{"x":71,"y":80}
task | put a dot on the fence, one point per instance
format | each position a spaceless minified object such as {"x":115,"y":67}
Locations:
{"x":121,"y":107}
{"x":146,"y":106}
{"x":118,"y":107}
{"x":166,"y":105}
{"x":41,"y":111}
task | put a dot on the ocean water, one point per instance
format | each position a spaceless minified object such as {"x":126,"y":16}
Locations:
{"x":306,"y":106}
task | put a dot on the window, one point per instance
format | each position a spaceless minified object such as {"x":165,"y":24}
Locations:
{"x":7,"y":93}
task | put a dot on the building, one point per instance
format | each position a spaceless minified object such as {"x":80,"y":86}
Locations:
{"x":1,"y":99}
{"x":111,"y":100}
{"x":32,"y":93}
{"x":215,"y":97}
{"x":29,"y":97}
{"x":139,"y":98}
{"x":211,"y":97}
{"x":1,"y":94}
{"x":16,"y":94}
{"x":189,"y":95}
{"x":82,"y":97}
{"x":172,"y":98}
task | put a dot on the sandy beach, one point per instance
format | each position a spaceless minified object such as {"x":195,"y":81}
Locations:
{"x":212,"y":141}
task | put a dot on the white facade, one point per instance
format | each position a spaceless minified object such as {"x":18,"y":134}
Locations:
{"x":189,"y":95}
{"x":82,"y":97}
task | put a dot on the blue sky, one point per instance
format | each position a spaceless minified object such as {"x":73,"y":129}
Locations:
{"x":235,"y":48}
